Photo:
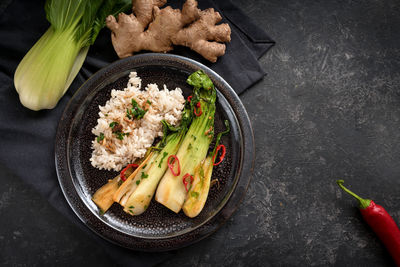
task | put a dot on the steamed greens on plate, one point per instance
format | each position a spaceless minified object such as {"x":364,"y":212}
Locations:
{"x":178,"y":169}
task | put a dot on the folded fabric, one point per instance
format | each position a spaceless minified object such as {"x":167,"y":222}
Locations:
{"x":28,"y":136}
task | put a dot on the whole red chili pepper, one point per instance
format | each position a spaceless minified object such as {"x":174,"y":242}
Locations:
{"x":381,"y":222}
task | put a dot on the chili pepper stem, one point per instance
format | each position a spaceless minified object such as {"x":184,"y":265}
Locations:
{"x":364,"y":203}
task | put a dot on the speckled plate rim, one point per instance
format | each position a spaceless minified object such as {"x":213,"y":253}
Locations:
{"x":128,"y":241}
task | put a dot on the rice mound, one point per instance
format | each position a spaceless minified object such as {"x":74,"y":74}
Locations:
{"x":114,"y":154}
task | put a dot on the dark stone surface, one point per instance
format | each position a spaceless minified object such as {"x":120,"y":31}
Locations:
{"x":328,"y":109}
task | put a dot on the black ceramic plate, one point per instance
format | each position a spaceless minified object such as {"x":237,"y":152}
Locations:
{"x":157,"y":229}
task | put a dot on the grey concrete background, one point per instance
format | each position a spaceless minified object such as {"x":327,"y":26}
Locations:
{"x":329,"y":108}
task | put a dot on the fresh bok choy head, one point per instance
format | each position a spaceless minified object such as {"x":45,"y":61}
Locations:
{"x":48,"y":69}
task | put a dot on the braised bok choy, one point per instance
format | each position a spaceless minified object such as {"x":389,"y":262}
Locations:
{"x":172,"y":189}
{"x":146,"y":184}
{"x":198,"y":192}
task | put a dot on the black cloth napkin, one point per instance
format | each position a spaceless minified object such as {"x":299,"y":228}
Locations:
{"x":27,"y":137}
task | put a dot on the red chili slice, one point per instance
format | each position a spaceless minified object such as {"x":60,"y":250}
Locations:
{"x":185,"y":182}
{"x":171,"y":165}
{"x":189,"y":98}
{"x":198,"y":113}
{"x":122,"y":174}
{"x":221,"y":158}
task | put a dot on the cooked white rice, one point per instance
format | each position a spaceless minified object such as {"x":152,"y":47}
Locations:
{"x":114,"y":154}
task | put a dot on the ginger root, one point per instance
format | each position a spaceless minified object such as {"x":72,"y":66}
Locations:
{"x":157,"y":30}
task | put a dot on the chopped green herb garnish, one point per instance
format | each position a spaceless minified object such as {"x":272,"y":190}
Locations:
{"x":163,"y":157}
{"x":131,"y":207}
{"x":106,"y":115}
{"x":135,"y":112}
{"x":148,"y":102}
{"x":119,"y":135}
{"x":117,"y":130}
{"x":201,"y":173}
{"x":194,"y":194}
{"x":145,"y":207}
{"x":101,"y":212}
{"x":144,"y":166}
{"x":137,"y":182}
{"x":131,"y":211}
{"x":148,"y":196}
{"x":100,"y":138}
{"x":190,"y":146}
{"x":144,"y":175}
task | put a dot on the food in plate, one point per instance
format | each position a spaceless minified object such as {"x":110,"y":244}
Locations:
{"x":130,"y":121}
{"x":177,"y":169}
